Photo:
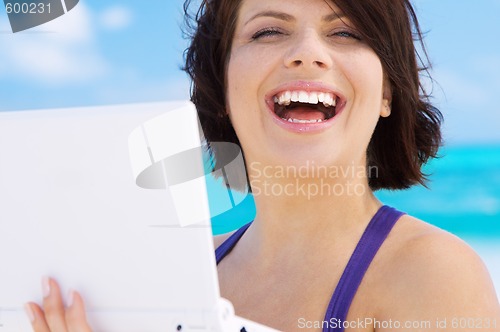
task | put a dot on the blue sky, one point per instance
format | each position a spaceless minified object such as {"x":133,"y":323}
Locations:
{"x":115,"y":52}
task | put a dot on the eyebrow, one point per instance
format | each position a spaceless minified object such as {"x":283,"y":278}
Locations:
{"x":271,"y":13}
{"x":289,"y":18}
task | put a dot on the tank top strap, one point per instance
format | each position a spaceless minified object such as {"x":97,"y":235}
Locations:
{"x":374,"y":235}
{"x":229,"y":243}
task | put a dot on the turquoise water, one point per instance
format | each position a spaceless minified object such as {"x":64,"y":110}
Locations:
{"x":463,"y":196}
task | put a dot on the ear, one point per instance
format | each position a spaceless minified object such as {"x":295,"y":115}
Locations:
{"x":386,"y":106}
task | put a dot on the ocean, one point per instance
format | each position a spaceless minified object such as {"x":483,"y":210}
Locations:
{"x":463,"y":198}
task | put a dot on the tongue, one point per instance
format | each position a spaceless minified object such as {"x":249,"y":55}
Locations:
{"x":304,"y":113}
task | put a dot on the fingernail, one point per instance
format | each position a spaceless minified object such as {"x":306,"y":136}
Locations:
{"x":71,"y":297}
{"x":29,"y":312}
{"x":45,"y":286}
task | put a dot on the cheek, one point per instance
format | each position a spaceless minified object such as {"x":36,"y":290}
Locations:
{"x":233,"y":86}
{"x":235,"y":71}
{"x":365,"y":74}
{"x":243,"y":78}
{"x":364,"y":71}
{"x":238,"y":95}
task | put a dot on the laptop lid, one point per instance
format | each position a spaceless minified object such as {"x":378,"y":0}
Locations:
{"x":70,"y":209}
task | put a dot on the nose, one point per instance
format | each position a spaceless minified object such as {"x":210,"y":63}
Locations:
{"x":308,"y":50}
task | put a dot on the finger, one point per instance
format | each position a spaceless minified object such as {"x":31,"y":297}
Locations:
{"x":37,"y":317}
{"x":53,"y":306}
{"x":76,"y":319}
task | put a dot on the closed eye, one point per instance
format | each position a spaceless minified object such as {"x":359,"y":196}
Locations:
{"x":346,"y":34}
{"x":267,"y":32}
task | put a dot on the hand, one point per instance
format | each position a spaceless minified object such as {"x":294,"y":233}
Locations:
{"x":53,"y":316}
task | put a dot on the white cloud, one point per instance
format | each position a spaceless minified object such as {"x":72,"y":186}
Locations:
{"x":470,"y":111}
{"x":487,"y":63}
{"x":115,"y":18}
{"x":59,"y":52}
{"x":140,"y":90}
{"x":459,"y":89}
{"x":488,"y":66}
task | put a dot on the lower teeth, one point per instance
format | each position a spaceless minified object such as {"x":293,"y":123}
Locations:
{"x":303,"y":121}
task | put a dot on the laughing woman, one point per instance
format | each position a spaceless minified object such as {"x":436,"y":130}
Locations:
{"x":325,"y":100}
{"x":313,"y":92}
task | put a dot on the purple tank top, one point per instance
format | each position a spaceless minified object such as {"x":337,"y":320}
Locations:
{"x":374,"y":235}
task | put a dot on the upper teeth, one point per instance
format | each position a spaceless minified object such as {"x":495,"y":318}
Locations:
{"x":311,"y":97}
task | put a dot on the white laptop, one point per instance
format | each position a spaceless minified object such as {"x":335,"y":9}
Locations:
{"x":70,"y":208}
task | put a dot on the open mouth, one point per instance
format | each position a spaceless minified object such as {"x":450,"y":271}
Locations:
{"x":305,"y":107}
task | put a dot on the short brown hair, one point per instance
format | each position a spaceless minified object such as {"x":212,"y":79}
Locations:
{"x":401,"y":143}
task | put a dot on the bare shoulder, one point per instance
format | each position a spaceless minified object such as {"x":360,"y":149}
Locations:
{"x":423,"y":241}
{"x":430,"y":266}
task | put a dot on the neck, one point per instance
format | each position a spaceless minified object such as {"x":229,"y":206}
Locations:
{"x":296,"y":214}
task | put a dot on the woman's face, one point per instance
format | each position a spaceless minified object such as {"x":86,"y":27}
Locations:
{"x":301,"y":85}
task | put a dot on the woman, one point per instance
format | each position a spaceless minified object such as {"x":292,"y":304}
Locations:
{"x":325,"y":100}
